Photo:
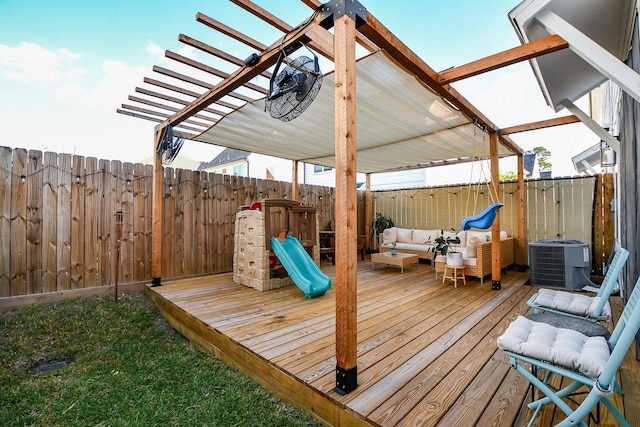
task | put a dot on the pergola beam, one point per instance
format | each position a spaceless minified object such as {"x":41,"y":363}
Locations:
{"x":175,"y":100}
{"x":228,"y":31}
{"x":213,"y":71}
{"x":184,"y":91}
{"x":242,"y":75}
{"x":319,"y":39}
{"x":197,"y":82}
{"x":150,"y":103}
{"x":165,"y":116}
{"x":559,"y":121}
{"x":508,"y":57}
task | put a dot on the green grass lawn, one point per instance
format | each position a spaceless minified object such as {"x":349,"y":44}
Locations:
{"x":125,"y":367}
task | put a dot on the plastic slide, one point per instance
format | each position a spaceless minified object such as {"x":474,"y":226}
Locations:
{"x":301,"y":268}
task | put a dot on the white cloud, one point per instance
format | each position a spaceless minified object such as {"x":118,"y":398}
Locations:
{"x":188,"y":51}
{"x":155,"y":50}
{"x":30,"y":63}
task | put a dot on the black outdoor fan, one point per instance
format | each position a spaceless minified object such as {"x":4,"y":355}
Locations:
{"x":293,"y":89}
{"x":169,"y":146}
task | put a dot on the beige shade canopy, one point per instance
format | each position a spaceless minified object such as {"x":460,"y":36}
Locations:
{"x":400,"y":122}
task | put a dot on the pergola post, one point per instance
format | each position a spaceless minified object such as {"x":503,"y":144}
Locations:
{"x":496,"y":273}
{"x":294,"y":182}
{"x":367,"y":212}
{"x":346,"y":204}
{"x":156,"y":218}
{"x":522,"y":244}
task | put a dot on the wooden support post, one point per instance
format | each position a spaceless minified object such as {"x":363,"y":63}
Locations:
{"x":156,"y":220}
{"x":367,"y":212}
{"x":496,"y":273}
{"x":522,"y":238}
{"x":294,"y":182}
{"x":603,"y":231}
{"x":346,"y":205}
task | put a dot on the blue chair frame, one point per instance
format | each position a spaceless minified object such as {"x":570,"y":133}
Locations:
{"x":610,"y":279}
{"x":600,"y":390}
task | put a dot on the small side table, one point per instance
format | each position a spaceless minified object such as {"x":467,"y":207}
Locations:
{"x":454,"y":273}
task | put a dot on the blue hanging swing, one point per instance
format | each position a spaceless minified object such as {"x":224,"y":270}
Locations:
{"x":483,"y":220}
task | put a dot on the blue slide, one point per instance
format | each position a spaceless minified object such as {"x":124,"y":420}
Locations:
{"x":301,"y":268}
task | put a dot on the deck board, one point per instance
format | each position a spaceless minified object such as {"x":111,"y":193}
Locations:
{"x":426,"y":351}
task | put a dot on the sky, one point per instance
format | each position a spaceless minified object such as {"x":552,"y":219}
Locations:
{"x":67,"y":65}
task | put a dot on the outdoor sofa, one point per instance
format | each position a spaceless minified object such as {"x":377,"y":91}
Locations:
{"x":474,"y":245}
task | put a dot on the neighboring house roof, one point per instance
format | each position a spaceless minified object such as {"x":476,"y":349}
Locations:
{"x":227,"y":155}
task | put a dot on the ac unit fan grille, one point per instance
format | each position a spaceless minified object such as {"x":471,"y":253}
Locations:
{"x":552,"y":258}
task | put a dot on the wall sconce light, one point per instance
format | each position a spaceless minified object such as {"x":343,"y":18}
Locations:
{"x":607,"y":155}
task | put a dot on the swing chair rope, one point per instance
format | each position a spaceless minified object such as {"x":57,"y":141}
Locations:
{"x":482,"y":174}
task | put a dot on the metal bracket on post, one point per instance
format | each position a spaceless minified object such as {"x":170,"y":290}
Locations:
{"x":346,"y":380}
{"x":155,"y":281}
{"x":495,"y":285}
{"x":333,"y":10}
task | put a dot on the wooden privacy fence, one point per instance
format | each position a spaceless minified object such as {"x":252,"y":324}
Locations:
{"x":58,"y":232}
{"x":57,"y":220}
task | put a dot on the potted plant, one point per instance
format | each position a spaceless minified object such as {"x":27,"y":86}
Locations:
{"x":446,"y":246}
{"x":381,"y":223}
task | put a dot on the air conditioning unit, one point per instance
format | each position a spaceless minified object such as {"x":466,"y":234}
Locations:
{"x":559,"y":264}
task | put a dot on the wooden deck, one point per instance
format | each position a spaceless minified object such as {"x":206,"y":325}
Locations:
{"x":427,"y":352}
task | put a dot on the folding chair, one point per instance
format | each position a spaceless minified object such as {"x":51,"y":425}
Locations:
{"x":585,"y":361}
{"x":594,"y":308}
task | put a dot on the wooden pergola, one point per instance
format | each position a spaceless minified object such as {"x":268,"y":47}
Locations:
{"x":351,"y":24}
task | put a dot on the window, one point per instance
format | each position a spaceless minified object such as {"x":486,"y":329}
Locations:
{"x":318,"y":168}
{"x":238,"y":170}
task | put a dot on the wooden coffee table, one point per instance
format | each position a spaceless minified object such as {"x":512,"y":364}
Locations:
{"x":399,"y":259}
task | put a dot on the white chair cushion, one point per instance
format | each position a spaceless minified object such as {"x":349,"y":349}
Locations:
{"x":563,"y":347}
{"x":581,"y":305}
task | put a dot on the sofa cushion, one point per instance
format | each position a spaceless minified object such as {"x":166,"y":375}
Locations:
{"x":390,"y":235}
{"x":421,"y":237}
{"x":404,"y":235}
{"x":472,"y":244}
{"x":503,"y":235}
{"x":413,"y":247}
